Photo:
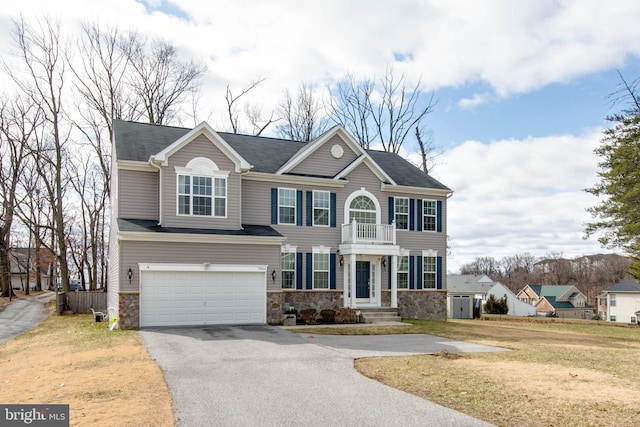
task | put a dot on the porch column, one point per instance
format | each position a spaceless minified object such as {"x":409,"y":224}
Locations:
{"x":352,"y":267}
{"x":394,"y":281}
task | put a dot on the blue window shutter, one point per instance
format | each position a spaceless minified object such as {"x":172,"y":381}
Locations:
{"x":412,"y":214}
{"x":391,"y":210}
{"x":333,"y":210}
{"x":439,"y":216}
{"x":411,"y":272}
{"x":309,"y":208}
{"x":299,"y":270}
{"x":439,"y":272}
{"x":389,"y":259}
{"x":332,"y":271}
{"x":274,"y":206}
{"x":419,"y":275}
{"x":419,"y":219}
{"x":309,"y":270}
{"x":299,"y":207}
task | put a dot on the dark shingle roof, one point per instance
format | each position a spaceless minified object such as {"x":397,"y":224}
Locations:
{"x":150,"y":226}
{"x":139,"y":141}
{"x":628,"y":285}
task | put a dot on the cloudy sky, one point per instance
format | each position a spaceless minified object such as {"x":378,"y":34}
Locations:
{"x":521,"y":88}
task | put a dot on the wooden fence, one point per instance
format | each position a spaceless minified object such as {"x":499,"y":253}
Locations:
{"x":82,"y":302}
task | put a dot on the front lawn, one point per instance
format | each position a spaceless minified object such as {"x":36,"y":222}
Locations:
{"x":559,"y":374}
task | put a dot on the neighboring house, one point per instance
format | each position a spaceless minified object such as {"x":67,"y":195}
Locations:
{"x":464,"y":292}
{"x":24,"y":270}
{"x":215,"y":228}
{"x":623,"y":302}
{"x":564,"y":301}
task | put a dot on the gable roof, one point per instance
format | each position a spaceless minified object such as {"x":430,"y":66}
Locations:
{"x":140,"y":141}
{"x":627,"y":285}
{"x":555,"y":291}
{"x":469,"y":283}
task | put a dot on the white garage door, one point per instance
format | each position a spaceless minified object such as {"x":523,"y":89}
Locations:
{"x":184,"y":298}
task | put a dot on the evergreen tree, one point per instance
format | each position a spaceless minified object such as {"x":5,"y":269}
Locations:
{"x":617,"y":215}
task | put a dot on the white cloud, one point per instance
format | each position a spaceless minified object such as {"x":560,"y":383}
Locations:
{"x":515,"y":196}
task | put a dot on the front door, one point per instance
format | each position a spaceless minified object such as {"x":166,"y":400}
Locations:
{"x":363,"y":275}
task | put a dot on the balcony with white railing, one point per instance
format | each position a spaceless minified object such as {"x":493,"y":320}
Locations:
{"x":382,"y":234}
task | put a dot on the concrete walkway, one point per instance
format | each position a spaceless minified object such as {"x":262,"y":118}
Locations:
{"x":267,"y":376}
{"x":22,"y":315}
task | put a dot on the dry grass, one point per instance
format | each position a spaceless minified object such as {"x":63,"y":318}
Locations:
{"x":557,"y":374}
{"x":107,"y":377}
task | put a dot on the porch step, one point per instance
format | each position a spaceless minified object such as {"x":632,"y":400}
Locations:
{"x":379,"y":315}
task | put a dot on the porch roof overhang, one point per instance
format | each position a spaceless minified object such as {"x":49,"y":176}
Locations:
{"x":368,"y":249}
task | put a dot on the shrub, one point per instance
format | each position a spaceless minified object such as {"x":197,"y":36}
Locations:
{"x":328,"y":316}
{"x":309,"y":316}
{"x":496,"y":306}
{"x":346,"y":315}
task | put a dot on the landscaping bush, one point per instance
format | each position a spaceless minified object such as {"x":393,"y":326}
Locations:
{"x":496,"y":306}
{"x":309,"y":316}
{"x":328,"y":316}
{"x":346,"y":315}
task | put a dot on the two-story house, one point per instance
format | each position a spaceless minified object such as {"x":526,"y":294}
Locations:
{"x":564,"y":301}
{"x":623,"y":302}
{"x":218,"y":228}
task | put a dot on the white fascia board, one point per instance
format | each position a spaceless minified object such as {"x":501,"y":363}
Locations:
{"x":205,"y":266}
{"x":206,"y":130}
{"x":373,"y":167}
{"x":133,"y":236}
{"x":365,"y":249}
{"x":415,"y":190}
{"x":132,"y":165}
{"x":312,"y":146}
{"x":289,"y":179}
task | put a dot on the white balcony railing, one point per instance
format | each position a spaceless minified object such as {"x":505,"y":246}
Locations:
{"x":369,"y":233}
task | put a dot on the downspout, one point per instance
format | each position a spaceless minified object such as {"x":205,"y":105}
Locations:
{"x":153,"y":163}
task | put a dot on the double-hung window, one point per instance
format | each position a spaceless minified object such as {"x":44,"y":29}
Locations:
{"x":202,"y":195}
{"x":321,"y":205}
{"x":429,"y":266}
{"x":401,"y":208}
{"x":288,"y":270}
{"x":429,"y":215}
{"x":403,"y":272}
{"x":612,"y":300}
{"x":320,"y":270}
{"x":286,"y":206}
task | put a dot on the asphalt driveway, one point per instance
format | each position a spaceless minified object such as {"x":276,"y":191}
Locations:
{"x":22,"y":315}
{"x":268,"y":376}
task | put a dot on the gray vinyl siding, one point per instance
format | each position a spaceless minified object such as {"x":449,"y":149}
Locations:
{"x":137,"y":194}
{"x":322,"y":163}
{"x":200,"y":147}
{"x":133,"y":253}
{"x":257,"y":210}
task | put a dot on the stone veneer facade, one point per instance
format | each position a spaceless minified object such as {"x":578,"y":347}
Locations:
{"x":419,"y":304}
{"x":129,"y":310}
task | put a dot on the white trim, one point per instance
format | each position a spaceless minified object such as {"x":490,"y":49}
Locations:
{"x":294,"y":180}
{"x":136,"y":236}
{"x":133,"y":165}
{"x":289,"y":248}
{"x":373,"y":167}
{"x":368,"y":249}
{"x":362,"y":192}
{"x":434,"y":192}
{"x":295,"y":206}
{"x":234,"y":268}
{"x":313,"y":209}
{"x":203,"y":129}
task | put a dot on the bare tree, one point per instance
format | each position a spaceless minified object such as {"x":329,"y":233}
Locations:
{"x":303,"y":115}
{"x":160,"y":80}
{"x":40,"y":51}
{"x":252,"y":112}
{"x":18,"y":119}
{"x":384,"y":111}
{"x":428,"y":151}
